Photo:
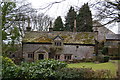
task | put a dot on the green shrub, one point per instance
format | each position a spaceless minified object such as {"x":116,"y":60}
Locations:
{"x":6,"y":62}
{"x":115,"y":57}
{"x":102,"y":58}
{"x":105,"y":50}
{"x":90,"y":59}
{"x":9,"y":69}
{"x":84,"y":60}
{"x":106,"y":58}
{"x":69,"y":73}
{"x":42,"y":69}
{"x":48,"y":70}
{"x":52,"y":64}
{"x":81,"y":73}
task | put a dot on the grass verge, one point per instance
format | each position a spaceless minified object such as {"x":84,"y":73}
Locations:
{"x":111,"y":65}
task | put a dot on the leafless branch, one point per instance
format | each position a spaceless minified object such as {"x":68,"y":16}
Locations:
{"x":51,"y":4}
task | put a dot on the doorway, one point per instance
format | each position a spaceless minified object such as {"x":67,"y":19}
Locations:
{"x":40,"y":56}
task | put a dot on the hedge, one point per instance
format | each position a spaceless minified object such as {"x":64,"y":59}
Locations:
{"x":48,"y":70}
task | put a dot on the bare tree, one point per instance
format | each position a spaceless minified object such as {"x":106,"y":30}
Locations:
{"x":107,"y":10}
{"x":40,"y":22}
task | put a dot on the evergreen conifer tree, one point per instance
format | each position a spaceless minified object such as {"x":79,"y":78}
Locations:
{"x":84,"y":19}
{"x":69,"y":22}
{"x":58,"y":24}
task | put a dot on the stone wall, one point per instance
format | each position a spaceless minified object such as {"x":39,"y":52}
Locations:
{"x":77,"y":51}
{"x":31,"y":48}
{"x":102,"y":32}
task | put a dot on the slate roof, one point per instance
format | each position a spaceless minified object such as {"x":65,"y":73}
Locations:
{"x":68,"y":37}
{"x":113,"y":37}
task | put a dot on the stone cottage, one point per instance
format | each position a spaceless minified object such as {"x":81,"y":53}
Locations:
{"x":59,"y":45}
{"x":62,"y":45}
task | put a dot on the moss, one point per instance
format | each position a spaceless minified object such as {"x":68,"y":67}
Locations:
{"x":64,"y":36}
{"x":88,"y":41}
{"x":78,"y":36}
{"x":82,"y":38}
{"x":42,"y":39}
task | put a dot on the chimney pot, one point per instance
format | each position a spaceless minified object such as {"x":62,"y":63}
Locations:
{"x":50,"y":28}
{"x":28,"y":28}
{"x":74,"y":30}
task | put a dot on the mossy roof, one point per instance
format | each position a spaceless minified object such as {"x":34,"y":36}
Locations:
{"x":69,"y":37}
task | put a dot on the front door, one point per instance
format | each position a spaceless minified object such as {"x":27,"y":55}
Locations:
{"x":40,"y":56}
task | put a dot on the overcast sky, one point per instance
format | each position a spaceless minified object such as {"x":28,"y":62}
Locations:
{"x":61,"y":9}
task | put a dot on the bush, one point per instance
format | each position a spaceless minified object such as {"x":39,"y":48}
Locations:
{"x":42,"y":69}
{"x":102,"y":58}
{"x":81,"y":73}
{"x":6,"y":62}
{"x":9,"y":69}
{"x":115,"y":57}
{"x":106,"y":58}
{"x":48,"y":70}
{"x":52,"y":64}
{"x":105,"y":50}
{"x":84,"y":60}
{"x":90,"y":59}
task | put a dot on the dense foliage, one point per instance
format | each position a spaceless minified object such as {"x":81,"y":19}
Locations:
{"x":58,"y":24}
{"x":48,"y":70}
{"x":81,"y":73}
{"x":11,"y":31}
{"x":16,"y":16}
{"x":9,"y":27}
{"x":105,"y":50}
{"x":40,"y":69}
{"x":9,"y":69}
{"x":102,"y":58}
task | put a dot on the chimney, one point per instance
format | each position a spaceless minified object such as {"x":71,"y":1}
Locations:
{"x":28,"y":28}
{"x":95,"y":29}
{"x":74,"y":29}
{"x":50,"y":28}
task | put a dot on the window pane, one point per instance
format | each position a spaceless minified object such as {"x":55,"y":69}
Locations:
{"x":67,"y":57}
{"x":57,"y":43}
{"x":30,"y":55}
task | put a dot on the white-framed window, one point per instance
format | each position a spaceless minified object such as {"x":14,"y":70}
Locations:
{"x":68,"y":57}
{"x":30,"y":55}
{"x":57,"y":57}
{"x":58,"y":43}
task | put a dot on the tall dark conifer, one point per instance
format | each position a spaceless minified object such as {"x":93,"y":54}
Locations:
{"x":84,"y":19}
{"x":69,"y":22}
{"x":58,"y":24}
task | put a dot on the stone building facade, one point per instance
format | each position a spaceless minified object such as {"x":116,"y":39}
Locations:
{"x":63,"y":46}
{"x":113,"y":43}
{"x":102,"y":33}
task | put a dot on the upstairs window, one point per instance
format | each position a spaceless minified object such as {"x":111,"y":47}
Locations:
{"x":58,"y":43}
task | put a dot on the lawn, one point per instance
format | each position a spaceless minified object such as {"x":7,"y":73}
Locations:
{"x":111,"y":65}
